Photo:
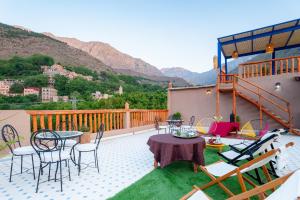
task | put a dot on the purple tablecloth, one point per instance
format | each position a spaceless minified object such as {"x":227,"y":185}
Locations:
{"x":167,"y":149}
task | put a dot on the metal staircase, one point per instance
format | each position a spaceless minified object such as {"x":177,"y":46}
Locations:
{"x":266,"y":102}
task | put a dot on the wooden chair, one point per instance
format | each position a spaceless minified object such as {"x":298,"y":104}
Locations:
{"x":289,"y":189}
{"x":234,"y":156}
{"x":221,"y":171}
{"x":286,"y":182}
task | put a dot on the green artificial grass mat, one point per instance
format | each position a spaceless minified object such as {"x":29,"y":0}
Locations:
{"x":176,"y":180}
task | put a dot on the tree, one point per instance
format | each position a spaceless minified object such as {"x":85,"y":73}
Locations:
{"x":36,"y":81}
{"x":60,"y":83}
{"x":16,"y":88}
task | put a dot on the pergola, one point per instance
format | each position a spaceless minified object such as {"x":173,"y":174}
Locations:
{"x":280,"y":36}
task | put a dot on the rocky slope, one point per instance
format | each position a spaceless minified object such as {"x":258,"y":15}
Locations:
{"x":111,"y":56}
{"x":21,"y":42}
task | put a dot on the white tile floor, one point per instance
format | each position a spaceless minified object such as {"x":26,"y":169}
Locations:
{"x":123,"y":161}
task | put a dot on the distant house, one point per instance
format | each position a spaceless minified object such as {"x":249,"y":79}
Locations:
{"x":120,"y":91}
{"x":5,"y":86}
{"x":31,"y":90}
{"x":51,"y":71}
{"x":48,"y":93}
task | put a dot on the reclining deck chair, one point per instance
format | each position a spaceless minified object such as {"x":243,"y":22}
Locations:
{"x":289,"y":182}
{"x":221,"y":171}
{"x":289,"y":189}
{"x":258,"y":147}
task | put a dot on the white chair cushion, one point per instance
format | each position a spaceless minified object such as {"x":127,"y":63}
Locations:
{"x":232,"y":154}
{"x":290,"y":189}
{"x":26,"y":150}
{"x":86,"y":147}
{"x":220,"y":168}
{"x":199,"y":195}
{"x":54,"y":156}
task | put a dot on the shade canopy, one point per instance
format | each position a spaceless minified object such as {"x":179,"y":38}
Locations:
{"x":282,"y":36}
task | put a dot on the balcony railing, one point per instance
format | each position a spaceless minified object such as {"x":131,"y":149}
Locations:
{"x":113,"y":119}
{"x":264,"y":68}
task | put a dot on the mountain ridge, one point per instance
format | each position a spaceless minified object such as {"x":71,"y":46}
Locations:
{"x":110,"y":55}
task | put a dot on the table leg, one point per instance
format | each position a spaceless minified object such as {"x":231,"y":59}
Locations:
{"x":196,"y":167}
{"x":155,"y":164}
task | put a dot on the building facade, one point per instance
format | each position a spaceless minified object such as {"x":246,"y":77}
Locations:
{"x":31,"y":90}
{"x":48,"y":93}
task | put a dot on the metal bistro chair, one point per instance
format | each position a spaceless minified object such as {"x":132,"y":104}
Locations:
{"x":12,"y":139}
{"x":48,"y":146}
{"x":89,"y":147}
{"x":190,"y":125}
{"x":159,"y":127}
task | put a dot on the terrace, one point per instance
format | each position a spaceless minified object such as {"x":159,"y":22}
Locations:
{"x":127,"y":166}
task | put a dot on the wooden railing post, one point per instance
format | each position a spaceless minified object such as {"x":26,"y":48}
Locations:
{"x":234,"y":97}
{"x":127,"y":116}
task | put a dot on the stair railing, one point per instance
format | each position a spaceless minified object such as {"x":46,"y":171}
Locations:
{"x":263,"y":95}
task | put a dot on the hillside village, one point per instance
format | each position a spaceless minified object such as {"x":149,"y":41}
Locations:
{"x":50,"y":94}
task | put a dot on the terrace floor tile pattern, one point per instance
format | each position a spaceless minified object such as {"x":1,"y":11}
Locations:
{"x":122,"y":160}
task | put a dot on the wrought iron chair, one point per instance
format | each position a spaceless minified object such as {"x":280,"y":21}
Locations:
{"x":89,"y":147}
{"x":48,"y":146}
{"x":190,"y":124}
{"x":159,"y":127}
{"x":12,"y":139}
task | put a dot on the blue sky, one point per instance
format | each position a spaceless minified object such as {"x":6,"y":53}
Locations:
{"x":165,"y":33}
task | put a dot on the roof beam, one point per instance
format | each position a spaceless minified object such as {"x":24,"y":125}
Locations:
{"x":264,"y":51}
{"x":290,"y":36}
{"x":262,"y":35}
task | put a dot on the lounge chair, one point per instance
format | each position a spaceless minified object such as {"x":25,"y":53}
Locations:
{"x":289,"y":189}
{"x":258,"y":147}
{"x":289,"y":182}
{"x":221,"y":171}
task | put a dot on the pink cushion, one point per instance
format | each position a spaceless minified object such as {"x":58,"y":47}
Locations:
{"x":224,"y":128}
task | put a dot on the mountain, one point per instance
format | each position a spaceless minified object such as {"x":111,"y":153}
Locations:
{"x":18,"y":41}
{"x":204,"y":78}
{"x":111,"y":56}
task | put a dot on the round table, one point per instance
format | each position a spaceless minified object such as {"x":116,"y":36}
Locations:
{"x":167,"y":149}
{"x":64,"y":135}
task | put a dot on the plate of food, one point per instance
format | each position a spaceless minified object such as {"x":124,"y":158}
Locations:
{"x":185,"y":134}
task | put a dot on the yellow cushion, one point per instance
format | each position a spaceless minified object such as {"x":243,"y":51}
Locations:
{"x":248,"y":130}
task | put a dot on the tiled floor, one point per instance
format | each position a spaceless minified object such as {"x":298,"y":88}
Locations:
{"x":123,"y":161}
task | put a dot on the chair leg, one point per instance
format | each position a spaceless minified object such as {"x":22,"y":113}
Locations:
{"x":69,"y":170}
{"x":38,"y":180}
{"x":11,"y":167}
{"x":56,"y":171}
{"x":97,"y":161}
{"x":33,"y":171}
{"x":95,"y":158}
{"x":258,"y":177}
{"x":21,"y":164}
{"x":79,"y":160}
{"x":49,"y":172}
{"x":61,"y":182}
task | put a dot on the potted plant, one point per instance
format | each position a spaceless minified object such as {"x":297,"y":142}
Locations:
{"x":177,"y":116}
{"x":86,"y":136}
